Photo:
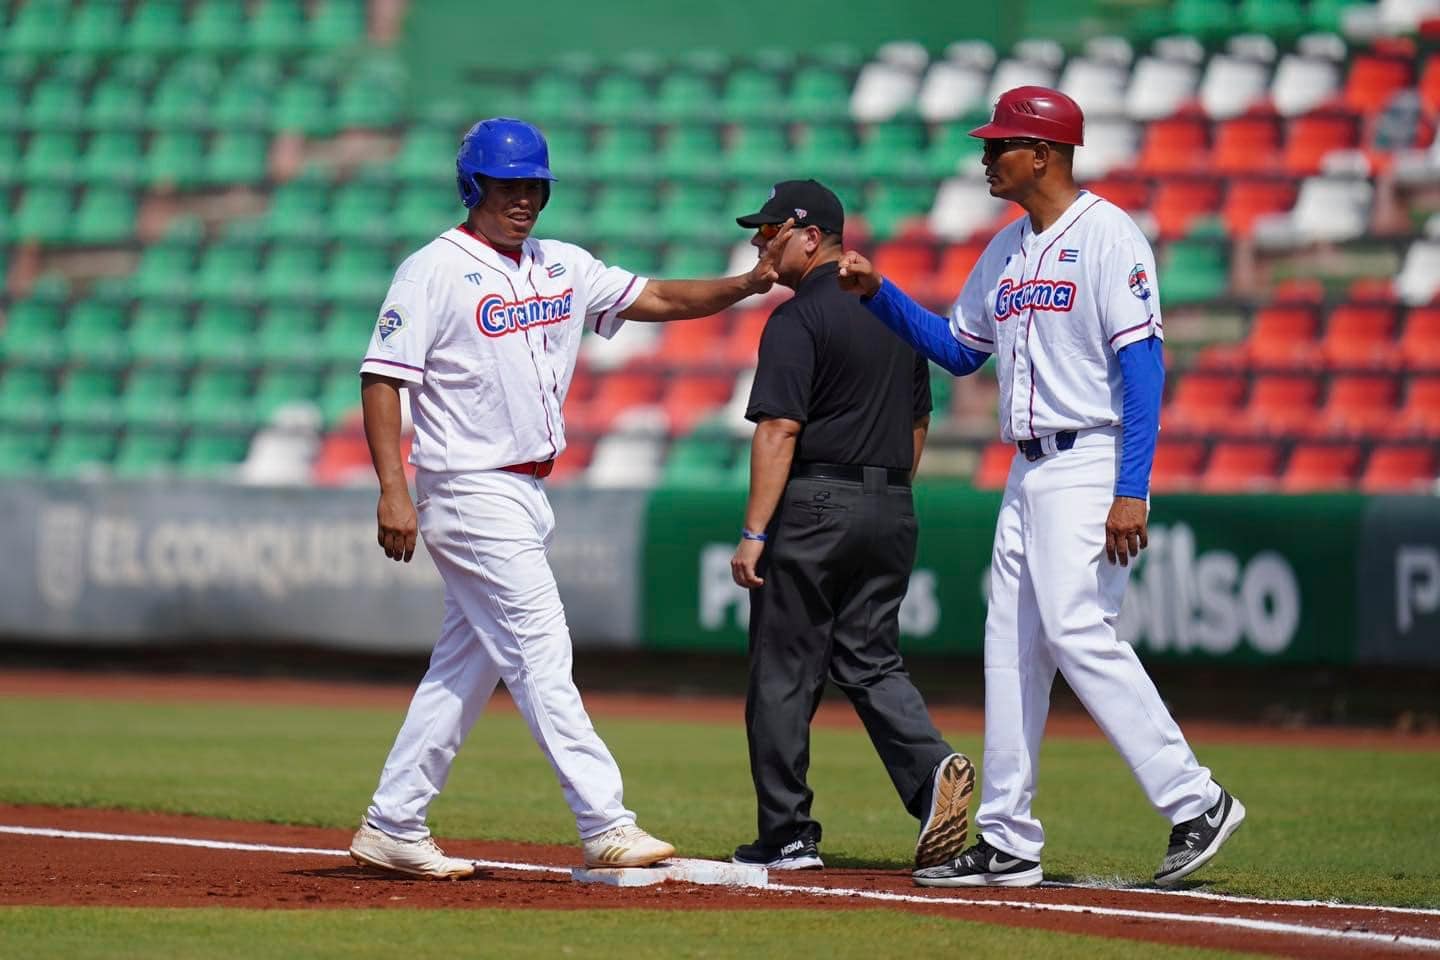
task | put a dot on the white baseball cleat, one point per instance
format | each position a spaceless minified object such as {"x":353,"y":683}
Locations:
{"x":625,"y":846}
{"x":415,"y":858}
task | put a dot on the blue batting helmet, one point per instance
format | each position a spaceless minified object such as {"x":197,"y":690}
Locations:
{"x":503,"y":148}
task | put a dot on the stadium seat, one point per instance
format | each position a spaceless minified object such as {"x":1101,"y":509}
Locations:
{"x":956,"y":262}
{"x":218,"y":400}
{"x":962,"y":208}
{"x":882,"y":91}
{"x":703,"y":460}
{"x":1317,"y":468}
{"x":175,"y":158}
{"x":758,"y":151}
{"x":51,"y":157}
{"x":1247,"y":200}
{"x":893,"y":206}
{"x":1420,"y":415}
{"x":279,"y":388}
{"x":106,"y":215}
{"x":116,"y":104}
{"x":22,"y":452}
{"x":1194,"y":270}
{"x":158,"y":335}
{"x":210,"y":454}
{"x":1418,"y":281}
{"x":81,"y":451}
{"x":146,"y":451}
{"x":1110,"y":144}
{"x":55,"y":103}
{"x":1430,"y":85}
{"x":1203,"y":403}
{"x":31,"y":335}
{"x":1283,"y":20}
{"x":1311,"y":137}
{"x":908,"y":265}
{"x":88,"y":397}
{"x":1241,"y":467}
{"x":113,"y":157}
{"x":751,"y":94}
{"x":276,"y":26}
{"x":1131,"y":194}
{"x":1180,"y":202}
{"x":95,"y":335}
{"x":1360,"y":336}
{"x":616,"y":393}
{"x":743,"y":344}
{"x":1245,"y":145}
{"x":1374,"y":79}
{"x":1302,"y":83}
{"x":689,"y":399}
{"x":1175,"y":145}
{"x":336,"y":23}
{"x":37,"y":27}
{"x":994,"y":467}
{"x":27,"y":397}
{"x":950,"y":90}
{"x":1178,"y":465}
{"x":1400,"y":469}
{"x":1420,"y":342}
{"x":1158,"y":87}
{"x":151,"y":397}
{"x":1282,"y":405}
{"x":222,"y":336}
{"x":1359,"y":406}
{"x":684,"y":96}
{"x":304,"y":106}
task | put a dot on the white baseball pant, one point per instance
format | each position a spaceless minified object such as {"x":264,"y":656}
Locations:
{"x":488,"y":534}
{"x":1054,"y":599}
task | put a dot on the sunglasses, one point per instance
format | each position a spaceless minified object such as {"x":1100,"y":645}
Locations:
{"x":1005,"y":145}
{"x":769,"y":230}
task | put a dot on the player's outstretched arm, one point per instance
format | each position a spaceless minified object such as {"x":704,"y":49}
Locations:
{"x":684,"y":299}
{"x":395,"y":515}
{"x":927,"y":332}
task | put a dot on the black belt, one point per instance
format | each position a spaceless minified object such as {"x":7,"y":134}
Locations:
{"x":846,"y":471}
{"x":1033,"y":449}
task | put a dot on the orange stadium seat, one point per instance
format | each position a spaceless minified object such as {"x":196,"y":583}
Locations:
{"x":1374,"y":79}
{"x":743,"y":345}
{"x":694,"y":343}
{"x":1282,"y":405}
{"x":1359,"y":406}
{"x":1178,"y":465}
{"x":1420,"y":415}
{"x":691,"y":398}
{"x":956,"y":262}
{"x":1179,"y":201}
{"x":1246,"y":145}
{"x":1420,"y":343}
{"x":1360,"y":336}
{"x":1127,"y":193}
{"x":908,"y":265}
{"x":1238,"y":467}
{"x":615,"y":393}
{"x":1400,"y":469}
{"x":1283,"y":337}
{"x":573,"y":461}
{"x":1248,"y":200}
{"x":994,"y":468}
{"x":1175,"y":145}
{"x":1430,"y":85}
{"x":1203,"y":402}
{"x":1315,"y":467}
{"x":1314,"y":135}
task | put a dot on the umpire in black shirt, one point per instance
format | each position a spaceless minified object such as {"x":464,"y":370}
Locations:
{"x":829,"y":541}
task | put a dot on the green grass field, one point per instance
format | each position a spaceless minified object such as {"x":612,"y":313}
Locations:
{"x":1324,"y":824}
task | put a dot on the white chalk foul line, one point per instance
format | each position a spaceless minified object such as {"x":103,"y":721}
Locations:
{"x":1265,"y":926}
{"x":1121,"y":887}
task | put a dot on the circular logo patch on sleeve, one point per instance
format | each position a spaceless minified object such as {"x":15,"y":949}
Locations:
{"x":392,"y":321}
{"x":1139,"y":282}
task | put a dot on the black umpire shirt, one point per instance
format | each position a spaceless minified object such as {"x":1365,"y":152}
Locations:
{"x":856,"y":388}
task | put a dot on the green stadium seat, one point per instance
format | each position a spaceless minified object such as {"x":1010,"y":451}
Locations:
{"x":1192,"y":271}
{"x":624,"y":211}
{"x":216,"y":26}
{"x":621,"y":98}
{"x":361,"y":210}
{"x":51,"y":157}
{"x":152,"y":397}
{"x":344,"y":337}
{"x":820,"y":93}
{"x":140,"y":70}
{"x":159,"y":335}
{"x":219,"y":400}
{"x":703,"y":459}
{"x":759,"y":151}
{"x":96,"y":27}
{"x":690,"y":260}
{"x":686,"y":96}
{"x":557,"y":97}
{"x":113,"y":157}
{"x":183,"y":99}
{"x":227,"y":270}
{"x":894,"y":149}
{"x":88,"y":397}
{"x":116,"y":104}
{"x":175,"y":159}
{"x":213,"y":454}
{"x":942,"y":392}
{"x":165,"y":269}
{"x":358,"y":275}
{"x":44,"y":214}
{"x":12,"y":101}
{"x":31,"y":336}
{"x":146,"y":451}
{"x":369,"y":102}
{"x":277,"y":25}
{"x":425,"y":210}
{"x":826,"y":151}
{"x":81,"y":451}
{"x":244,"y":104}
{"x":569,"y":155}
{"x":566,"y":217}
{"x":637,"y":258}
{"x":1282,"y":20}
{"x":426,"y":153}
{"x":156,"y":26}
{"x":696,"y":211}
{"x":752,"y":94}
{"x":280,"y":388}
{"x":300,"y":208}
{"x":339,"y":395}
{"x":952,"y":149}
{"x":337,"y":23}
{"x":95,"y":335}
{"x":39,"y":27}
{"x":691,"y":151}
{"x":291,"y":271}
{"x":237,"y":156}
{"x":625,"y":152}
{"x":27,"y":397}
{"x":9,"y":162}
{"x":892,"y":203}
{"x":303,"y":106}
{"x":23,"y":451}
{"x":288,"y":339}
{"x":223,"y":337}
{"x":1209,"y":21}
{"x":106,"y":215}
{"x":1329,"y":15}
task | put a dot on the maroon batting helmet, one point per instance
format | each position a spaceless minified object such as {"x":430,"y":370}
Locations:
{"x":1038,"y":112}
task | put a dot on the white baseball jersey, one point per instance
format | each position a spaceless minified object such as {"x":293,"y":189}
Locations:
{"x":1054,"y":308}
{"x":490,"y":345}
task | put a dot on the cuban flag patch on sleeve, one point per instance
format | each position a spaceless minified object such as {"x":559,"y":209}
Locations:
{"x":391,"y":322}
{"x":1069,"y":255}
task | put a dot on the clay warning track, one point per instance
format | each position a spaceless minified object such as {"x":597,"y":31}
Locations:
{"x":101,"y":858}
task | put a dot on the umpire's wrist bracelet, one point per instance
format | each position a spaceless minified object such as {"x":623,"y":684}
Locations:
{"x":752,"y":535}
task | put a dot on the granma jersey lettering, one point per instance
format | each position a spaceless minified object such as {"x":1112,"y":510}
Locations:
{"x":496,"y":316}
{"x":1011,"y":300}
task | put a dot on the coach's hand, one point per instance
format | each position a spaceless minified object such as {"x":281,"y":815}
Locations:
{"x":858,"y":275}
{"x":767,"y":268}
{"x":1125,"y":533}
{"x":743,"y":564}
{"x":398,"y":522}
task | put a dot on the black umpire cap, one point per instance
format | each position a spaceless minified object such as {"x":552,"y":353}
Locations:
{"x":810,"y":202}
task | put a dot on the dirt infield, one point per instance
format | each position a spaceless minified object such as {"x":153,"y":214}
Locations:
{"x":118,"y":869}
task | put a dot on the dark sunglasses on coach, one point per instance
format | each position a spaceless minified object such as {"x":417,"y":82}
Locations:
{"x":768,"y":230}
{"x":1005,"y":145}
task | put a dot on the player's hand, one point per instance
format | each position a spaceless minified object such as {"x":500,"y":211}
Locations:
{"x":767,"y":269}
{"x":857,"y":275}
{"x":742,"y":565}
{"x":1125,"y":534}
{"x":397,"y":522}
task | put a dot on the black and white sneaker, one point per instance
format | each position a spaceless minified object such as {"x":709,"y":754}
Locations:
{"x":946,"y":827}
{"x":1194,"y":842}
{"x":799,"y":854}
{"x":982,"y":866}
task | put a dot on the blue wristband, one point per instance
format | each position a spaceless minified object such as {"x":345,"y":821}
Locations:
{"x":752,"y":535}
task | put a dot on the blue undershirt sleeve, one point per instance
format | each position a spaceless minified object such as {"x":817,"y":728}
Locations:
{"x":1142,"y":369}
{"x":927,"y":332}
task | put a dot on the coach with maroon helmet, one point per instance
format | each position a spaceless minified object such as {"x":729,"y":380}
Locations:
{"x":1065,"y":301}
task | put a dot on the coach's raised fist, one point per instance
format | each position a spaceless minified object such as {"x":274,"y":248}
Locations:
{"x":857,"y":275}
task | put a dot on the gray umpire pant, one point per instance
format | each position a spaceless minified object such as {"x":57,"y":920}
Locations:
{"x":836,"y":568}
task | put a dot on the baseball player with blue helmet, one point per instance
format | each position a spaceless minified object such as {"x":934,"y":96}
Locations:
{"x":483,"y":326}
{"x":1065,"y":300}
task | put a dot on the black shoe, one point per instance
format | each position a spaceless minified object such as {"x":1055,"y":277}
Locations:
{"x":1194,"y":842}
{"x":798,"y":854}
{"x":982,"y":866}
{"x":946,"y":826}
